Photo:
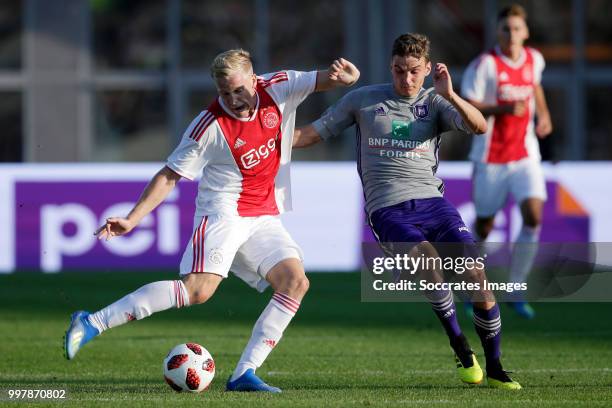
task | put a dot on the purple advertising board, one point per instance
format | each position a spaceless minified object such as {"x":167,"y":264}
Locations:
{"x":49,"y":212}
{"x":55,"y":222}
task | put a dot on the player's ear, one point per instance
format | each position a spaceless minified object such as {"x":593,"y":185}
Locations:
{"x":427,"y":68}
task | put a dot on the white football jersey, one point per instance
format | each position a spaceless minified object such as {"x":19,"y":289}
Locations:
{"x":245,"y":161}
{"x":494,"y":79}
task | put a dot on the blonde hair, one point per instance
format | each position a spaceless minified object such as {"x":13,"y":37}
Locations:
{"x":231,"y":61}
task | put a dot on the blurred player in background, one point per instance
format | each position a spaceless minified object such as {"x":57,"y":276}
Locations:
{"x":504,"y":84}
{"x":398,"y":136}
{"x":242,"y":145}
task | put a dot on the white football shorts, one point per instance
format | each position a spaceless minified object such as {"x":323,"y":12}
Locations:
{"x":493,"y":182}
{"x":248,"y":246}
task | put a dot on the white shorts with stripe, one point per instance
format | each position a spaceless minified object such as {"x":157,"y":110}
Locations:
{"x":493,"y":182}
{"x":248,"y":246}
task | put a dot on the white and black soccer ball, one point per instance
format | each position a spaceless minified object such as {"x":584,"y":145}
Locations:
{"x":189,"y":367}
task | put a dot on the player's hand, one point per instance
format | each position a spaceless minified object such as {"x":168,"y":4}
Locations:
{"x":518,"y":108}
{"x":114,"y":227}
{"x":442,"y":81}
{"x":343,"y":71}
{"x":544,"y":126}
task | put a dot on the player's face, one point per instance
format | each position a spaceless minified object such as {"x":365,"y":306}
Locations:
{"x":409,"y":74}
{"x":512,"y":32}
{"x":238,"y":92}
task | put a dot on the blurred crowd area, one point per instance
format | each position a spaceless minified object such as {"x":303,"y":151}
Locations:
{"x":118,"y":80}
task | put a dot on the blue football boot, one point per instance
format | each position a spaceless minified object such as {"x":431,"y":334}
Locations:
{"x":250,"y":382}
{"x":78,"y":334}
{"x":523,"y":309}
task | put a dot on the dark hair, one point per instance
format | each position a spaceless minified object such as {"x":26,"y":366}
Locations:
{"x":514,"y":10}
{"x":411,"y":45}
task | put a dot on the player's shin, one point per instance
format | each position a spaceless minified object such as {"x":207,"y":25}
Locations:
{"x":444,"y":307}
{"x":151,"y":298}
{"x":267,"y":332}
{"x":488,"y":327}
{"x":524,"y":253}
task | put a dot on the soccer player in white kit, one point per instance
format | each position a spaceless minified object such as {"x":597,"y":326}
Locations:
{"x":242,"y":145}
{"x":504,"y":83}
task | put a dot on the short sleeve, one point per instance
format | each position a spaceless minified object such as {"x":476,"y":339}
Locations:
{"x":289,"y":87}
{"x":475,"y":78}
{"x":538,"y":66}
{"x":301,"y":84}
{"x":189,"y":158}
{"x":448,"y":117}
{"x":338,"y":117}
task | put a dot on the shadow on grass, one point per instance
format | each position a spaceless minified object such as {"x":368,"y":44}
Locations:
{"x":334,"y":300}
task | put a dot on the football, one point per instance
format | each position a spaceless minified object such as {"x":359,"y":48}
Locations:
{"x":189,"y":367}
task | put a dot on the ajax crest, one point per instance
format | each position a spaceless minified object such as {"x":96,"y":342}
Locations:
{"x":270,"y":120}
{"x":527,"y":75}
{"x":216,"y":256}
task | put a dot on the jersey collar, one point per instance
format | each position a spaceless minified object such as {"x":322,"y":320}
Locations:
{"x":513,"y":64}
{"x":409,"y":99}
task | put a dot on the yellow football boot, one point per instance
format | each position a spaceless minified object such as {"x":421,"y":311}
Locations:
{"x":469,"y":375}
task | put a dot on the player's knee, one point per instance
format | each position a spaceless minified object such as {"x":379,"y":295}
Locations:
{"x":532,"y":220}
{"x":475,"y":275}
{"x":304,"y":285}
{"x":199,"y":296}
{"x":288,"y":277}
{"x":531,"y":210}
{"x":297,"y":284}
{"x":199,"y":293}
{"x":485,"y":303}
{"x":201,"y":286}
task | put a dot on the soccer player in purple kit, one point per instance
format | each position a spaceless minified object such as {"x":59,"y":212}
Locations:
{"x":398,"y":136}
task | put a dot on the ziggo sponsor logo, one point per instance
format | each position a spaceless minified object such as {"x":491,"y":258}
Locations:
{"x":254,"y":156}
{"x":509,"y":92}
{"x":160,"y":229}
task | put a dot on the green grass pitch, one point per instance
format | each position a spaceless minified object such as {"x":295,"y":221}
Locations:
{"x":337,"y":352}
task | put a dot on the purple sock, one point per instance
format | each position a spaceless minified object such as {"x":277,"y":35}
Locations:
{"x":444,"y":307}
{"x":488,"y":327}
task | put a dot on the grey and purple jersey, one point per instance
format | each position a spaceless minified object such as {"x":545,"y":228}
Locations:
{"x":398,"y":139}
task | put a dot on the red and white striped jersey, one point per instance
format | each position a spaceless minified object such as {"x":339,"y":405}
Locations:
{"x":494,"y":79}
{"x":245,"y":161}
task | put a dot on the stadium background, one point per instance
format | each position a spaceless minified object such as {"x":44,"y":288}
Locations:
{"x":113,"y":80}
{"x":86,"y":86}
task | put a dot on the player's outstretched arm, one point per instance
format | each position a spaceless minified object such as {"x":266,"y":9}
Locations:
{"x":544,"y":126}
{"x":516,"y":108}
{"x":471,"y":116}
{"x":305,"y":136}
{"x":156,"y":191}
{"x":341,"y":72}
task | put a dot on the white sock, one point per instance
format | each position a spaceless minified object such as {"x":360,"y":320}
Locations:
{"x":523,"y":254}
{"x":267,"y":332}
{"x":141,"y":303}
